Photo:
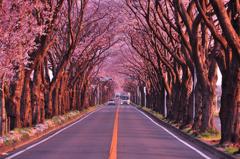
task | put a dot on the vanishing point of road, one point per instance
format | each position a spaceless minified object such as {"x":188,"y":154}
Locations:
{"x":112,"y":132}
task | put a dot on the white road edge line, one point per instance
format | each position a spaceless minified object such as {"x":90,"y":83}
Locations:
{"x":51,"y":136}
{"x":169,"y":132}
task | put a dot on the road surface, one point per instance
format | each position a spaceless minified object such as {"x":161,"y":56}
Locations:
{"x":112,"y":132}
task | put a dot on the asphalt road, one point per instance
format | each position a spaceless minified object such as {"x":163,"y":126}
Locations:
{"x":136,"y":137}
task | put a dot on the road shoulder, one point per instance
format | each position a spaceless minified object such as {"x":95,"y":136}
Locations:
{"x":7,"y":149}
{"x":203,"y":146}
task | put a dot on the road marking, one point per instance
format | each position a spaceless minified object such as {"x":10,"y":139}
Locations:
{"x":169,"y":132}
{"x":113,"y":148}
{"x":51,"y":136}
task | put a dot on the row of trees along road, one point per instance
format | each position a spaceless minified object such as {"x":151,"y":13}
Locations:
{"x":176,"y":48}
{"x":51,"y":52}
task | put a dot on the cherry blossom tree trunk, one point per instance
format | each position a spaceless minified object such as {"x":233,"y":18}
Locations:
{"x":67,"y":96}
{"x":158,"y":98}
{"x":74,"y":98}
{"x":3,"y":117}
{"x":230,"y":104}
{"x":62,"y":97}
{"x":208,"y":108}
{"x":230,"y":101}
{"x":170,"y":109}
{"x":198,"y":108}
{"x":26,"y":102}
{"x":186,"y":98}
{"x":49,"y":102}
{"x":55,"y":100}
{"x":209,"y":97}
{"x":15,"y":99}
{"x":83,"y":96}
{"x":177,"y":107}
{"x":37,"y":97}
{"x":202,"y":67}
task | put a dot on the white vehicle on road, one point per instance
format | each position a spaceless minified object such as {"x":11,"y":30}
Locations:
{"x":111,"y":102}
{"x":124,"y":99}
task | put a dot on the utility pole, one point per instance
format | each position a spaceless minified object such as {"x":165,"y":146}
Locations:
{"x":145,"y":96}
{"x":165,"y":103}
{"x":140,"y":96}
{"x":194,"y":92}
{"x":98,"y":95}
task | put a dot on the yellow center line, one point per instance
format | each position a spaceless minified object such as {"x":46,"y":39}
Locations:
{"x":113,"y":148}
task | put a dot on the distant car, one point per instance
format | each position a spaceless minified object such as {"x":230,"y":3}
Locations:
{"x":124,"y":99}
{"x":111,"y":102}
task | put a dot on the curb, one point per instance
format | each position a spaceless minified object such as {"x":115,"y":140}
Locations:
{"x":219,"y":154}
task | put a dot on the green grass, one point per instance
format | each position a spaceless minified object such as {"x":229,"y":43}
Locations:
{"x":56,"y":120}
{"x":188,"y":130}
{"x":22,"y":130}
{"x":231,"y":149}
{"x":216,"y":114}
{"x":209,"y":135}
{"x":156,"y":114}
{"x":25,"y":136}
{"x":8,"y":141}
